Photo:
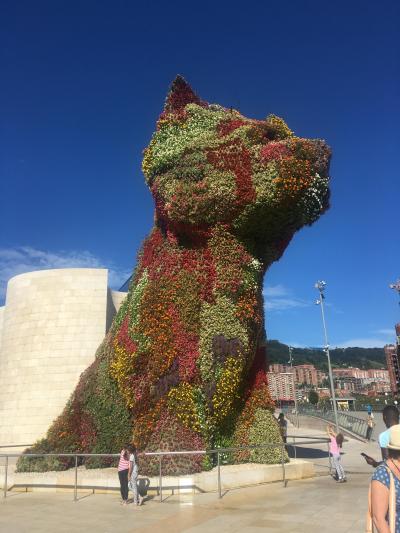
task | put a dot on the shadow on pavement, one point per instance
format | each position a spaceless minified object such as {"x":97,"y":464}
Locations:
{"x":306,"y":453}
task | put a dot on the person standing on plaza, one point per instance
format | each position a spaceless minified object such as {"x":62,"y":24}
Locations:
{"x":123,"y":470}
{"x":370,"y":425}
{"x":384,"y":497}
{"x":334,"y":449}
{"x":390,"y":415}
{"x":283,"y":426}
{"x":133,"y":475}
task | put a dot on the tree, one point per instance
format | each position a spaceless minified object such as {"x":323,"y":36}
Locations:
{"x":313,"y":397}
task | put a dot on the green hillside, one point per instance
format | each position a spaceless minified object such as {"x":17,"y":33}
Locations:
{"x":357,"y":357}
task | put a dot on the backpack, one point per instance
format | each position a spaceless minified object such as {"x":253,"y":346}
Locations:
{"x":370,"y":528}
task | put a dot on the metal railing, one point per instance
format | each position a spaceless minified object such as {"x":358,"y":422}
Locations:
{"x":218,"y":452}
{"x":16,"y":445}
{"x":355,"y":425}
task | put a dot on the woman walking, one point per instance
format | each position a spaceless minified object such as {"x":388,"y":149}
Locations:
{"x":334,"y":449}
{"x":123,"y":470}
{"x":133,"y":475}
{"x":385,"y":489}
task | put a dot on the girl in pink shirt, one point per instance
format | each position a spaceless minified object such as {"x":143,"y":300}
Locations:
{"x":123,"y":469}
{"x":334,"y":449}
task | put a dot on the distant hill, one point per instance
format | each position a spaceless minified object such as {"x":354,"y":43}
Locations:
{"x":358,"y":357}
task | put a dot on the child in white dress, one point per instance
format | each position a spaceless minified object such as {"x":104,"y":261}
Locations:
{"x":133,"y":475}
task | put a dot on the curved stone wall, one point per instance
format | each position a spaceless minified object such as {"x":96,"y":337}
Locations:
{"x":117,"y":299}
{"x":1,"y":323}
{"x":114,"y":302}
{"x":54,"y":320}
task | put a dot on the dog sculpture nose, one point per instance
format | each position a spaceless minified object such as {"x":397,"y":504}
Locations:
{"x":322,"y":157}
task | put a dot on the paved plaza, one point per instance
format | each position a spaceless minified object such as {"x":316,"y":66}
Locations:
{"x":312,"y":505}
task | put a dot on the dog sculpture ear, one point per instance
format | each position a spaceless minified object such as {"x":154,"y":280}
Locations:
{"x":179,"y":95}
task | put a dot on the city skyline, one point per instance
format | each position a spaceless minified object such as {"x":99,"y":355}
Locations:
{"x":284,"y":380}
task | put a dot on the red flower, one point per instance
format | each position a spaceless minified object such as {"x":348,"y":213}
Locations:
{"x":273,"y":150}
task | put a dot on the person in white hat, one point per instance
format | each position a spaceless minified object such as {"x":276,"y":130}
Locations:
{"x":385,"y":488}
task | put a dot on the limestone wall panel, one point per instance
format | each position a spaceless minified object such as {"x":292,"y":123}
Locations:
{"x":114,"y":302}
{"x":53,"y":323}
{"x":1,"y":324}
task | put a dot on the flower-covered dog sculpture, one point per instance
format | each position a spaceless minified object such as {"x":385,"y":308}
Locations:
{"x":183,"y":365}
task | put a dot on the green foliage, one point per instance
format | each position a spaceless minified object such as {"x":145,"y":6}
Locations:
{"x":136,"y":295}
{"x":40,"y":464}
{"x":265,"y":430}
{"x":224,"y":439}
{"x":111,"y":418}
{"x":216,"y":319}
{"x":358,"y":357}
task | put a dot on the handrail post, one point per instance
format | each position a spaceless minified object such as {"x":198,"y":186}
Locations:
{"x":219,"y":475}
{"x":330,"y":459}
{"x":283,"y":465}
{"x":5,"y":477}
{"x":160,"y":478}
{"x":76,"y":480}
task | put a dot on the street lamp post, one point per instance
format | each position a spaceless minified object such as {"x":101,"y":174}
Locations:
{"x":294,"y":384}
{"x":320,"y":286}
{"x":396,"y":286}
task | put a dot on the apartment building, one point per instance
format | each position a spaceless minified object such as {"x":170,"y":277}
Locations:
{"x":281,"y":386}
{"x":303,"y":374}
{"x":392,"y":362}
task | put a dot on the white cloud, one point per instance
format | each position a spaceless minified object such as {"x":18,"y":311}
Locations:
{"x":279,"y":298}
{"x":296,"y":345}
{"x":363,"y":342}
{"x":22,"y":259}
{"x":387,"y":332}
{"x":279,"y":304}
{"x":275,"y":291}
{"x":378,"y":339}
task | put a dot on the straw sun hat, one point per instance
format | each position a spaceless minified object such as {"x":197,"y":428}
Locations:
{"x":394,"y":437}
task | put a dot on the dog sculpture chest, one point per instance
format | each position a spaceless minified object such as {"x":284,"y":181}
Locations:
{"x":183,"y":366}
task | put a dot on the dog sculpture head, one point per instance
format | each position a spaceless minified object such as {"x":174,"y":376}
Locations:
{"x":208,"y":165}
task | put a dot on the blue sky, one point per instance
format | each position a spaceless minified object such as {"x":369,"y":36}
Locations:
{"x":83,"y":84}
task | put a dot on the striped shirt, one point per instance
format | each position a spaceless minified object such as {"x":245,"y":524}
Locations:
{"x":123,"y":463}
